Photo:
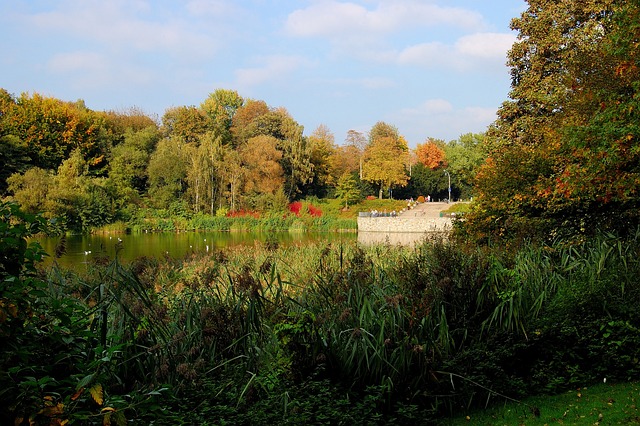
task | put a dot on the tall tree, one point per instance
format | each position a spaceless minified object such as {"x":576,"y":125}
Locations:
{"x":221,"y":106}
{"x":261,"y":159}
{"x":384,"y":162}
{"x":322,"y":148}
{"x":356,"y":142}
{"x":187,"y":123}
{"x":167,"y":171}
{"x":548,"y":149}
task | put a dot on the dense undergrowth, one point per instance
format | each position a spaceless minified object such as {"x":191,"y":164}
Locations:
{"x":317,"y":334}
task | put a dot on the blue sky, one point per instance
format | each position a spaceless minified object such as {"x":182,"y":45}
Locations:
{"x":432,"y":68}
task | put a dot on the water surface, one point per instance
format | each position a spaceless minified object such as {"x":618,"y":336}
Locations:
{"x":80,"y":249}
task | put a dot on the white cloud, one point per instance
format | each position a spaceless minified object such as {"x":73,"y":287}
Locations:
{"x":438,"y":118}
{"x":474,"y":51}
{"x":485,"y":45}
{"x":337,"y":20}
{"x":216,"y":8}
{"x":273,"y":68}
{"x":77,"y":62}
{"x":89,"y":70}
{"x":123,"y":25}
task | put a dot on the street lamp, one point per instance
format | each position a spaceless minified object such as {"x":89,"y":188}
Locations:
{"x":449,"y":176}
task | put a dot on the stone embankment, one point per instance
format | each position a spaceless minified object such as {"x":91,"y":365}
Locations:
{"x":422,"y":218}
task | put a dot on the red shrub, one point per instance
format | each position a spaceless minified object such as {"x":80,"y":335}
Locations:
{"x":295,"y":207}
{"x":314,"y":211}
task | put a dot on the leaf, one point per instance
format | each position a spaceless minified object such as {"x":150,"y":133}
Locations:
{"x":97,"y":394}
{"x":77,"y":394}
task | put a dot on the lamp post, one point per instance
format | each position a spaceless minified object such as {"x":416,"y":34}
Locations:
{"x":449,"y":176}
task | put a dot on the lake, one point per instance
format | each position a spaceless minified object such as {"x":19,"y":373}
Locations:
{"x":82,"y":248}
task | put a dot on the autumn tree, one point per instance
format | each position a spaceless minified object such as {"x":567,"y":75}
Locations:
{"x":261,"y":159}
{"x":356,"y":143}
{"x":560,"y":156}
{"x":186,"y":122}
{"x":384,"y":164}
{"x":51,"y":129}
{"x":244,"y":124}
{"x":431,"y":154}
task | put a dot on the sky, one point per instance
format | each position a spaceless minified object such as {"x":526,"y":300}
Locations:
{"x":432,"y":68}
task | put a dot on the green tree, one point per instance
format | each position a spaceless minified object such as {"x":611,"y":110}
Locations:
{"x":322,"y":149}
{"x":129,"y":161}
{"x":31,"y":189}
{"x":347,"y":189}
{"x":167,"y":171}
{"x":464,"y":157}
{"x":13,"y":157}
{"x":221,"y":106}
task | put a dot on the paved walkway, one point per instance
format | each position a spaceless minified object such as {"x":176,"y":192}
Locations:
{"x":428,"y":210}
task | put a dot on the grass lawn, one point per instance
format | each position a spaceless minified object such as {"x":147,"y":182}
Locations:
{"x":602,"y":404}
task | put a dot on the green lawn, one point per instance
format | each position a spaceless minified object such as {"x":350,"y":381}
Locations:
{"x":603,"y":404}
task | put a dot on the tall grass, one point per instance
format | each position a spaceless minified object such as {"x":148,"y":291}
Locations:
{"x":437,"y":326}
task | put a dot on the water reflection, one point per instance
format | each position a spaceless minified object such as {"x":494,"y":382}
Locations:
{"x":81,"y":249}
{"x":410,"y":239}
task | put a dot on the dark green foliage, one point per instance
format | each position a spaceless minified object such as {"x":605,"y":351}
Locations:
{"x":380,"y":335}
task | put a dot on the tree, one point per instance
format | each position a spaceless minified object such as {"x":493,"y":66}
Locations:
{"x":559,"y":155}
{"x":347,"y":189}
{"x":431,"y":154}
{"x":356,"y":143}
{"x":13,"y":157}
{"x":129,"y":161}
{"x":31,"y":189}
{"x":221,"y":106}
{"x":322,"y":149}
{"x":384,"y":164}
{"x":261,"y":160}
{"x":243,"y":127}
{"x":464,"y":157}
{"x":167,"y":171}
{"x":187,"y":123}
{"x":51,"y":129}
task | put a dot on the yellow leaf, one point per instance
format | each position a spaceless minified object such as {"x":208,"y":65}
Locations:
{"x":97,"y":394}
{"x":107,"y":410}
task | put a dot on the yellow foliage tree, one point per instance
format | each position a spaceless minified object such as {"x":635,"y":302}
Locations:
{"x":384,"y":163}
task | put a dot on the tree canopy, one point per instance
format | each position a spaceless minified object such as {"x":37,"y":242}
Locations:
{"x":562,"y":156}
